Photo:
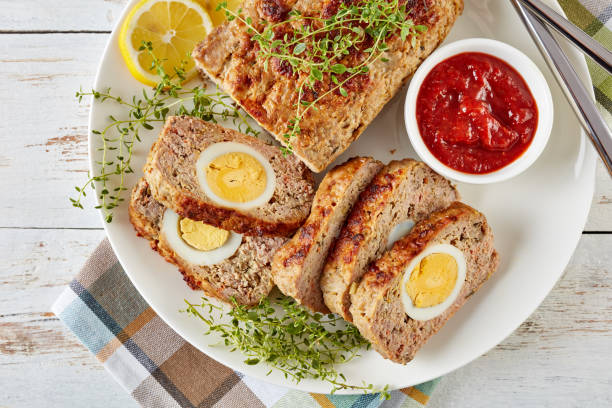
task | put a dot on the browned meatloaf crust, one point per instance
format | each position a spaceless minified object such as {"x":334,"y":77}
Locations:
{"x":245,"y":276}
{"x":297,"y":266}
{"x":171,"y":174}
{"x":377,"y":308}
{"x":404,"y":190}
{"x":231,"y":59}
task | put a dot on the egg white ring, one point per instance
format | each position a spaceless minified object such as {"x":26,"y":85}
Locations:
{"x":428,"y":313}
{"x":170,"y":230}
{"x":218,"y":149}
{"x":398,"y":232}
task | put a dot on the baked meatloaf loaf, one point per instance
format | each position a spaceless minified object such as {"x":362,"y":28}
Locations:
{"x":404,"y":190}
{"x":245,"y":276}
{"x":231,"y":59}
{"x":173,"y":179}
{"x":377,"y":306}
{"x":297,"y":266}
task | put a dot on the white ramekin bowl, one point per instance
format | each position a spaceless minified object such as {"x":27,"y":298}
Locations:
{"x":532,"y":76}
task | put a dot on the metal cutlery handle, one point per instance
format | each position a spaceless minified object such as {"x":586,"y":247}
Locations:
{"x":588,"y":45}
{"x":578,"y":96}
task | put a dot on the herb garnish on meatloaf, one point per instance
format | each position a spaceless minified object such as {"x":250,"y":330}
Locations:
{"x":315,"y":73}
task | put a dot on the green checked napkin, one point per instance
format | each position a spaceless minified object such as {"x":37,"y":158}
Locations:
{"x":595,"y":18}
{"x":160,"y":369}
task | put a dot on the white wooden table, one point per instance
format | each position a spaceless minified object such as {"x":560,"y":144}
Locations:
{"x":560,"y":357}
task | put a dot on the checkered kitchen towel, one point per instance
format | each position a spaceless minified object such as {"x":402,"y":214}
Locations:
{"x":159,"y":369}
{"x":595,"y":18}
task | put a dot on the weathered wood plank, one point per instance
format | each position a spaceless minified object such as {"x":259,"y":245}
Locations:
{"x":561,"y":355}
{"x":600,"y":217}
{"x":48,"y":157}
{"x":43,"y":131}
{"x":65,"y":15}
{"x":41,"y":363}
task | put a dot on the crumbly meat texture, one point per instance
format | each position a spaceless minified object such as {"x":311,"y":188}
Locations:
{"x":245,"y":276}
{"x":297,"y":266}
{"x":171,"y":174}
{"x":230,"y":58}
{"x":404,"y":190}
{"x":145,"y":213}
{"x":377,"y":307}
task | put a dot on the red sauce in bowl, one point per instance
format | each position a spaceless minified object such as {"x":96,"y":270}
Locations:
{"x":476,"y":113}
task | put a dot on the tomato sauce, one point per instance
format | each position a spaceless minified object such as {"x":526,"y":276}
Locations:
{"x":476,"y":113}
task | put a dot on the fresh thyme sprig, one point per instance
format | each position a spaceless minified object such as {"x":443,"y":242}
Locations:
{"x":294,"y":341}
{"x":120,"y":135}
{"x":319,"y":48}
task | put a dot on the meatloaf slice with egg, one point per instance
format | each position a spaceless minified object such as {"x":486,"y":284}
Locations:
{"x":245,"y":276}
{"x":269,"y":94}
{"x":403,"y":191}
{"x":173,"y":180}
{"x":377,"y":307}
{"x":297,"y":266}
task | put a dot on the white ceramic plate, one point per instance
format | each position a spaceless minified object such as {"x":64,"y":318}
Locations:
{"x":537,"y":219}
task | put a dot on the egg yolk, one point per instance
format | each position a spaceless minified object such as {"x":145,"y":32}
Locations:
{"x":236,"y":177}
{"x":432,"y":280}
{"x":202,"y":236}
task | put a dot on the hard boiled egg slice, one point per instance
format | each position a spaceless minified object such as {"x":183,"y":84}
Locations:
{"x":180,"y":234}
{"x":235,"y":175}
{"x":432,"y":281}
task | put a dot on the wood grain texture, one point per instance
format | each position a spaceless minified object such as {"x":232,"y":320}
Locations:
{"x":64,"y":15}
{"x":560,"y":357}
{"x":600,"y":217}
{"x":42,"y":364}
{"x":43,"y":128}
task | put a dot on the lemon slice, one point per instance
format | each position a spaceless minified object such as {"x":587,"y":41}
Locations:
{"x":174,"y":27}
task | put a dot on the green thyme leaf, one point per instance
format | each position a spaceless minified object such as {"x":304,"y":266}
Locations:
{"x":121,"y":133}
{"x":317,"y":46}
{"x":338,"y":68}
{"x":300,"y":48}
{"x":287,"y":338}
{"x":316,"y":74}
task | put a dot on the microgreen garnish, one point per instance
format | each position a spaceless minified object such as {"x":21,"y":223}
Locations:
{"x":294,"y":341}
{"x":318,"y":49}
{"x":168,"y":97}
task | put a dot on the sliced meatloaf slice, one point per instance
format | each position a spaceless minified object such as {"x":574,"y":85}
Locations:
{"x":404,"y":190}
{"x":297,"y":266}
{"x":245,"y":276}
{"x":377,"y":307}
{"x":268,"y":90}
{"x":171,"y":173}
